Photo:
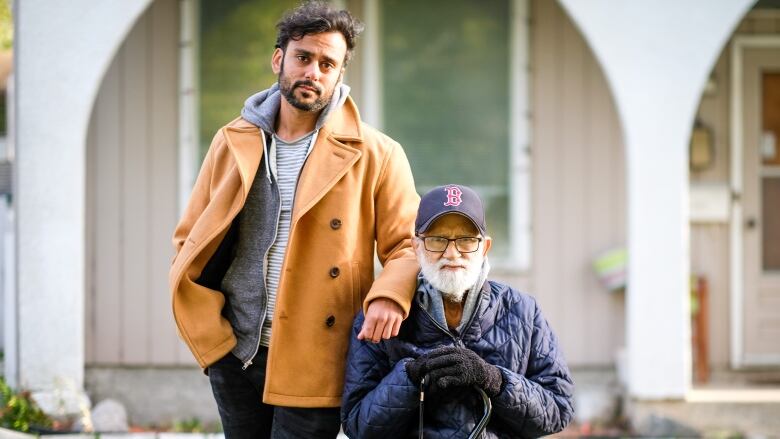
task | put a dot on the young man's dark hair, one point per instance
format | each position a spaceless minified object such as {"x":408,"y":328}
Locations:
{"x":315,"y":17}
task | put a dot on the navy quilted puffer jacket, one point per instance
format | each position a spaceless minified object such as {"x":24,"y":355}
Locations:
{"x":507,"y":330}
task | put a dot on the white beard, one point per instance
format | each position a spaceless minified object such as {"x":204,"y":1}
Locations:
{"x":452,"y":284}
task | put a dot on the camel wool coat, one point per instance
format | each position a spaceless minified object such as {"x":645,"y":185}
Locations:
{"x":355,"y":191}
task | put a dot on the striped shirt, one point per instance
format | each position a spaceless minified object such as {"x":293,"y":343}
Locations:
{"x":289,"y":161}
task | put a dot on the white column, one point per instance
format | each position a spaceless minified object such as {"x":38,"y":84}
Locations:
{"x":63,"y":50}
{"x":520,"y":136}
{"x":189,"y":138}
{"x":656,"y":57}
{"x":8,"y":248}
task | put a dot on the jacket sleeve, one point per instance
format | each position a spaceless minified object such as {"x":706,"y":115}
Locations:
{"x":379,"y":401}
{"x":396,"y":203}
{"x":538,"y":402}
{"x":201,"y":194}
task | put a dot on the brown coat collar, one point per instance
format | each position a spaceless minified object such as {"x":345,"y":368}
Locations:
{"x":329,"y":160}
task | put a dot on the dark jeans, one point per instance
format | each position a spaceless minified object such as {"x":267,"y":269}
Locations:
{"x":239,"y":396}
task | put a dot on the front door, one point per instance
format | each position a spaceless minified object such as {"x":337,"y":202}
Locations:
{"x":761,"y":207}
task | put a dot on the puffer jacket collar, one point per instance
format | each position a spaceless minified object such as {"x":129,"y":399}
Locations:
{"x":484,"y":315}
{"x":429,"y":332}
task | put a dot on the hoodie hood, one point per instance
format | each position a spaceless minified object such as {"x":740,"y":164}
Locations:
{"x":262,"y":108}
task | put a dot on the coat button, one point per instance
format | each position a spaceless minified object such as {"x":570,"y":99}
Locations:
{"x":335,"y":223}
{"x":330,"y":321}
{"x":334,"y":272}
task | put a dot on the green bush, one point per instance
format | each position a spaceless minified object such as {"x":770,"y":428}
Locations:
{"x":192,"y":425}
{"x":18,"y":411}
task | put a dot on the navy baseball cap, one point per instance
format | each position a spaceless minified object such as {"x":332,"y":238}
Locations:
{"x":451,"y":198}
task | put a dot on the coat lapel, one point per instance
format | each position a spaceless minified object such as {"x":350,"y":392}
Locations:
{"x":329,"y":158}
{"x":246,"y":144}
{"x":328,"y":161}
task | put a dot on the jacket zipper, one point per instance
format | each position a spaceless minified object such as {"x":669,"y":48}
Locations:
{"x":276,"y":231}
{"x":457,"y":340}
{"x":438,"y":325}
{"x":248,"y":362}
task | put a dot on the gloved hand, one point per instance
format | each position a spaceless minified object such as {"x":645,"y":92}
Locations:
{"x":452,"y":366}
{"x":417,"y":368}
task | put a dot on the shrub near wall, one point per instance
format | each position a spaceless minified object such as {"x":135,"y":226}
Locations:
{"x":18,"y":411}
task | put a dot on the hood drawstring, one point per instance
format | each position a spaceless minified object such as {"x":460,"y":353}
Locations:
{"x":267,"y":156}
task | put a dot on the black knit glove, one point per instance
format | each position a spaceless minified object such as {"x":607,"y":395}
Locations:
{"x":460,"y":367}
{"x":417,"y":368}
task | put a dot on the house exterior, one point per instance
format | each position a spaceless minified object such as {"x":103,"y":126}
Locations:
{"x":573,"y":119}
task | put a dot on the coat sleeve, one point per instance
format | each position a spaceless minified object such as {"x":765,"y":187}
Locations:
{"x":396,"y":203}
{"x":538,"y":402}
{"x":379,"y":401}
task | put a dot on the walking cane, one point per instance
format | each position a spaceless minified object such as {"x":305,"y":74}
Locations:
{"x":481,"y":425}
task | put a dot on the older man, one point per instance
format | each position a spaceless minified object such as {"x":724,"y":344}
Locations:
{"x":463,"y":332}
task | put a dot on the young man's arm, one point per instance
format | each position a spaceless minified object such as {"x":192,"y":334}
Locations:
{"x":396,"y":202}
{"x":379,"y":401}
{"x":539,"y":402}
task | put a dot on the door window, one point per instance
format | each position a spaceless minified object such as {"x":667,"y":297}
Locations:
{"x":770,"y":172}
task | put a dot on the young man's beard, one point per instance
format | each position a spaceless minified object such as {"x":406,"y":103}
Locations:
{"x":452,"y":284}
{"x":287,"y":88}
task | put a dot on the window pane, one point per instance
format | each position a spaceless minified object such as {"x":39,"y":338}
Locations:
{"x":770,"y":229}
{"x":237,"y":40}
{"x":445,"y":78}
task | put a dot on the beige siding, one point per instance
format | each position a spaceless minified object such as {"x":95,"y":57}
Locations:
{"x":710,"y":242}
{"x":132,"y":198}
{"x":578,"y":188}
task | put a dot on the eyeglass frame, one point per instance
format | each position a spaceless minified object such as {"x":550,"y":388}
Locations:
{"x":449,"y":240}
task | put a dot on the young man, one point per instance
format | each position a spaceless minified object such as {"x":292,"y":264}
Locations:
{"x":463,"y":331}
{"x":275,"y":250}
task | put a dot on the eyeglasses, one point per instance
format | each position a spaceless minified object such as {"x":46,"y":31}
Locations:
{"x":439,"y":244}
